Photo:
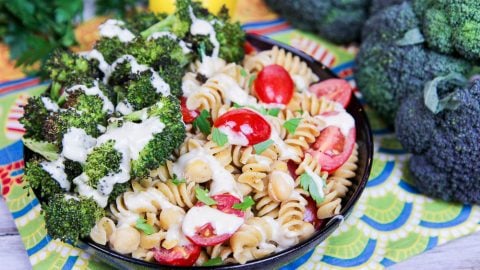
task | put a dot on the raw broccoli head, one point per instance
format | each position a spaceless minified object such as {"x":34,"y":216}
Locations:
{"x":70,"y":218}
{"x":337,"y":21}
{"x":66,"y":69}
{"x":445,"y":145}
{"x":379,"y":5}
{"x":35,"y":114}
{"x":40,"y":180}
{"x":389,"y":69}
{"x":164,"y":143}
{"x":452,"y":27}
{"x":101,"y":161}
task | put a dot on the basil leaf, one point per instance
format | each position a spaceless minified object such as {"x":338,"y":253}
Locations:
{"x":292,"y":124}
{"x":260,"y":147}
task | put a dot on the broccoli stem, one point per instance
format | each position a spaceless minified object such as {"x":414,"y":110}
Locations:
{"x":163,"y":25}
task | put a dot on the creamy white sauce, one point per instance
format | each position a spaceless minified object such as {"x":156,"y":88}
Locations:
{"x":222,"y":179}
{"x":157,"y":82}
{"x":94,"y":54}
{"x":56,"y":169}
{"x":172,"y":36}
{"x":76,"y":144}
{"x":124,"y":107}
{"x":286,"y":152}
{"x":279,"y":234}
{"x":114,"y":28}
{"x":343,"y":120}
{"x":49,"y":104}
{"x":189,"y":85}
{"x":204,"y":28}
{"x":101,"y":128}
{"x":94,"y":91}
{"x":222,"y":223}
{"x":300,"y":83}
{"x":319,"y":181}
{"x":234,"y":138}
{"x":211,"y":66}
{"x":232,"y":92}
{"x":129,"y":140}
{"x":71,"y":197}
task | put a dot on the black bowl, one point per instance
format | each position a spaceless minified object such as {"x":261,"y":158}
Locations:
{"x":365,"y":151}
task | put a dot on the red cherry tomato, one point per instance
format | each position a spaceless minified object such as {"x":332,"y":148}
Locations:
{"x":188,"y":115}
{"x":292,"y":167}
{"x":178,"y":256}
{"x":274,"y":85}
{"x":332,"y":149}
{"x":247,"y":122}
{"x":337,"y":90}
{"x":205,"y":236}
{"x":248,"y":47}
{"x":310,"y":214}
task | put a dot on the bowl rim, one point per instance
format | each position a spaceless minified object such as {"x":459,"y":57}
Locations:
{"x":331,"y":225}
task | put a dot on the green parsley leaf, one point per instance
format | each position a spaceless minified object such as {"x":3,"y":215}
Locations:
{"x":274,"y":112}
{"x":213,"y":262}
{"x":243,"y":72}
{"x":308,"y":184}
{"x":202,"y":195}
{"x":247,"y":202}
{"x":177,"y":181}
{"x":251,"y":80}
{"x":260,"y":147}
{"x":142,"y":225}
{"x":292,"y":124}
{"x":219,"y":137}
{"x":237,"y":106}
{"x":202,"y":122}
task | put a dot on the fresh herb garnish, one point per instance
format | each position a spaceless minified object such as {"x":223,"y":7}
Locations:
{"x":292,"y":124}
{"x":251,"y":80}
{"x":247,"y":203}
{"x":213,"y":262}
{"x":260,"y":147}
{"x":202,"y":122}
{"x":308,"y":184}
{"x":202,"y":195}
{"x":177,"y":181}
{"x":273,"y":112}
{"x":243,"y":72}
{"x":142,"y":225}
{"x":219,"y":137}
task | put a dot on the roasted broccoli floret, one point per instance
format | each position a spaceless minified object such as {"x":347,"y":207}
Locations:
{"x":338,"y":21}
{"x":66,"y":69}
{"x":110,"y":48}
{"x":452,"y":26}
{"x":141,"y":21}
{"x":444,"y":142}
{"x":40,"y":180}
{"x":69,"y":218}
{"x":393,"y":62}
{"x":162,"y":145}
{"x":35,"y":114}
{"x":102,"y":160}
{"x":159,"y":52}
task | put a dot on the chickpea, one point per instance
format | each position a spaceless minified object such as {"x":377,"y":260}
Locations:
{"x":280,"y":186}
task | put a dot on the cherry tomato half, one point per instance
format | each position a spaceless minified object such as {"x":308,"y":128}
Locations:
{"x":247,"y":122}
{"x":248,"y":47}
{"x":178,"y":256}
{"x":274,"y":85}
{"x":188,"y":115}
{"x":205,"y":235}
{"x":338,"y":90}
{"x":310,"y":214}
{"x":332,"y":149}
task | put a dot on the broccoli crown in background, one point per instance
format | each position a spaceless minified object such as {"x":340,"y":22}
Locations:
{"x":379,"y":5}
{"x":393,"y":62}
{"x":339,"y":21}
{"x":69,"y":218}
{"x":445,"y":146}
{"x":451,"y":27}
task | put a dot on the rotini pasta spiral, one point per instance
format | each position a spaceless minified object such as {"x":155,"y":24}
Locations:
{"x":265,"y":205}
{"x":291,"y":214}
{"x":341,"y":176}
{"x":182,"y":194}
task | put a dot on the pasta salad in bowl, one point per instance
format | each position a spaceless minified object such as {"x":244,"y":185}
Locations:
{"x":195,"y":155}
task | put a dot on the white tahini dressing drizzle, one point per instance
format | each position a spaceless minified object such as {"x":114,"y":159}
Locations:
{"x":49,"y":104}
{"x":94,"y":54}
{"x":300,"y":83}
{"x":157,"y":82}
{"x":232,"y":91}
{"x":204,"y":28}
{"x":92,"y":91}
{"x":210,"y":66}
{"x":286,"y":152}
{"x":172,"y":36}
{"x":76,"y":144}
{"x":198,"y":216}
{"x":124,"y":107}
{"x":279,"y":234}
{"x":234,"y":138}
{"x":114,"y":28}
{"x":56,"y":169}
{"x":342,"y":119}
{"x":129,"y":140}
{"x":222,"y":179}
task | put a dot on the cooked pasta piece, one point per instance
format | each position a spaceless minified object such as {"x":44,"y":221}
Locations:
{"x":182,"y":194}
{"x":341,"y":177}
